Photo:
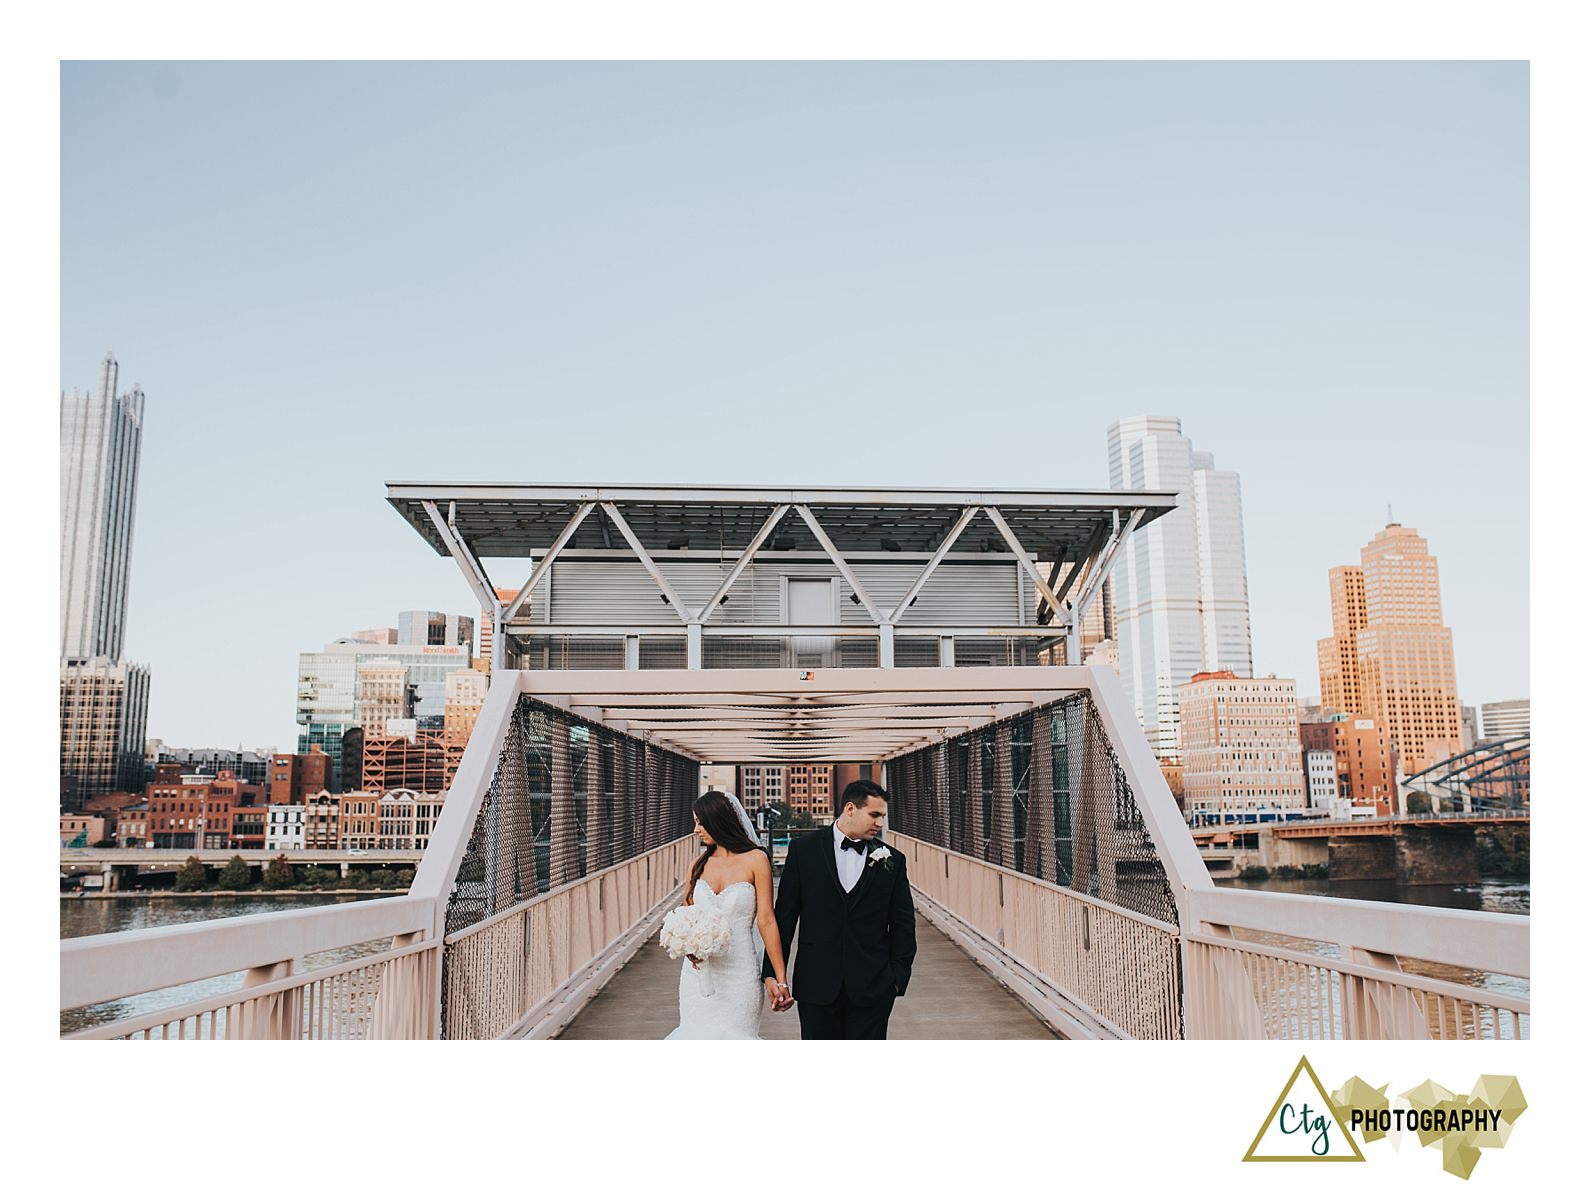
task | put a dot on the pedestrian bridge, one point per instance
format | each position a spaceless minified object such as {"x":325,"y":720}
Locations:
{"x":1063,"y":889}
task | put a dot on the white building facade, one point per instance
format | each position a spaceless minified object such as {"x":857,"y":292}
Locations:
{"x":1180,"y":585}
{"x":1319,"y":771}
{"x":284,"y":827}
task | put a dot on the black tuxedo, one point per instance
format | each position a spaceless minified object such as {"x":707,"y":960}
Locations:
{"x":856,"y":947}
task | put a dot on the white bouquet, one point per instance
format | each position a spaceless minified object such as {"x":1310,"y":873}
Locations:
{"x":697,"y":932}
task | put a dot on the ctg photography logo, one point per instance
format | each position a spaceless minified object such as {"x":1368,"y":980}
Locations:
{"x":1307,"y":1124}
{"x":1303,"y":1125}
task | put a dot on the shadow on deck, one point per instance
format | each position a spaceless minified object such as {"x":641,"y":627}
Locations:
{"x":950,"y":998}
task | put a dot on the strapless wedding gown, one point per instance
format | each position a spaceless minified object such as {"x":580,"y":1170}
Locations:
{"x":734,"y":1009}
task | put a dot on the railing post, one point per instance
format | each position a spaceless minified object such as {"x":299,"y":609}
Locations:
{"x":402,"y":995}
{"x":276,"y":1017}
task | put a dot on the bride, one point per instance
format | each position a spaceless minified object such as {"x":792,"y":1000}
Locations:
{"x":735,"y":875}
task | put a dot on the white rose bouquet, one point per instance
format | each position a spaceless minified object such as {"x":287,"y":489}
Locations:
{"x":696,"y":932}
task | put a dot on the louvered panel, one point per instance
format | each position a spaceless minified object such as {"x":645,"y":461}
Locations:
{"x":697,"y":581}
{"x":606,"y":593}
{"x":967,"y":594}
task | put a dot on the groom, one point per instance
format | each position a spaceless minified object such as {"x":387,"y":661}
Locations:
{"x":848,"y":892}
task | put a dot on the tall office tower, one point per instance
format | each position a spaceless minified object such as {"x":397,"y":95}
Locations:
{"x":435,"y":629}
{"x":1338,"y":654}
{"x":104,"y":701}
{"x":1504,"y":718}
{"x":104,"y":709}
{"x":100,"y":439}
{"x":1180,"y":589}
{"x":1390,"y":650}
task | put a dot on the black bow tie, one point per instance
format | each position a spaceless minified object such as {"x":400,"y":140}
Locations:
{"x":849,"y":844}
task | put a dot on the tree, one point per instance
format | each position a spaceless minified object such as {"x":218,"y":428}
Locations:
{"x":279,"y":873}
{"x":235,"y":876}
{"x":191,"y":877}
{"x":319,"y":877}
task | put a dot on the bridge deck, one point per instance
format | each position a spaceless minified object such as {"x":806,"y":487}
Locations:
{"x":950,"y":997}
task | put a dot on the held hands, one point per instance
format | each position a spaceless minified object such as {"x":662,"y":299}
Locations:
{"x":778,"y":995}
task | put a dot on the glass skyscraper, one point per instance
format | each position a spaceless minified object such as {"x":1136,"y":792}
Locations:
{"x":103,"y":699}
{"x":101,"y":436}
{"x":1181,"y":584}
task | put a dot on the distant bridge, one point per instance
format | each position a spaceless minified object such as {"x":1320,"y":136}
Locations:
{"x":1385,"y":826}
{"x":117,"y":868}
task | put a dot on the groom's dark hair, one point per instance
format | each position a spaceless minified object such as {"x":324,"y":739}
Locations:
{"x":857,"y":792}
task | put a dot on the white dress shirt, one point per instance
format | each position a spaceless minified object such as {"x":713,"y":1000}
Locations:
{"x":850,"y":864}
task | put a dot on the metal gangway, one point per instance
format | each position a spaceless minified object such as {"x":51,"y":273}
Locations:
{"x":936,"y":634}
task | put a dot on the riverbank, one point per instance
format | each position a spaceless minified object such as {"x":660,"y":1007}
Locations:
{"x":284,"y":893}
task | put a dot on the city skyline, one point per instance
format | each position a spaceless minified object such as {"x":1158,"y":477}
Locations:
{"x":1320,"y":268}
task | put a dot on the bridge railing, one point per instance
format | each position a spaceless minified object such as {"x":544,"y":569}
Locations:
{"x":558,"y":841}
{"x":1045,"y":834}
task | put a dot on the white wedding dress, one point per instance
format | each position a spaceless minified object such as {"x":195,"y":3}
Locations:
{"x":734,"y":1009}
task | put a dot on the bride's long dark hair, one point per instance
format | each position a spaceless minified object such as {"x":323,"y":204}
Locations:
{"x":718,"y":818}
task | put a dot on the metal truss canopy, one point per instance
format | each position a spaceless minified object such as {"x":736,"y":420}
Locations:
{"x":777,"y":716}
{"x":503,"y":520}
{"x":844,"y":526}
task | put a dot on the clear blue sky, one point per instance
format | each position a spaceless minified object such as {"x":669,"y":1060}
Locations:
{"x":327,"y":276}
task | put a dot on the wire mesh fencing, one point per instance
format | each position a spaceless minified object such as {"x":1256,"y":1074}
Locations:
{"x":1042,"y":793}
{"x":569,"y":798}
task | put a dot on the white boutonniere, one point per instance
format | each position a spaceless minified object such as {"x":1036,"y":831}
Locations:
{"x":881,"y":855}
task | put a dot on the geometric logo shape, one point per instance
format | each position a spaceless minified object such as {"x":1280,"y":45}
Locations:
{"x":1303,"y":1125}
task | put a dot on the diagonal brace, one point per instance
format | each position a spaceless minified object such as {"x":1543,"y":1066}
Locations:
{"x":839,"y":561}
{"x":646,"y":561}
{"x":938,"y":556}
{"x":545,"y":564}
{"x":762,"y":534}
{"x":1025,"y":559}
{"x":474,"y":573}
